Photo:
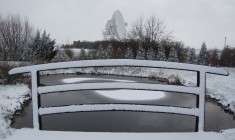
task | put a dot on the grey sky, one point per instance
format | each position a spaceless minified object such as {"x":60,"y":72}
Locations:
{"x":192,"y":21}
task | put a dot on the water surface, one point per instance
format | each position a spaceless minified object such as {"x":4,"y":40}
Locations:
{"x":120,"y":121}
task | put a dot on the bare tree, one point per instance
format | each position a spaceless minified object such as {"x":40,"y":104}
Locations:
{"x":156,"y":29}
{"x":153,"y":29}
{"x":137,"y":30}
{"x":15,"y":32}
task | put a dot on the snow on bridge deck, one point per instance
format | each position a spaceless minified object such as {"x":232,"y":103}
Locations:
{"x":33,"y":134}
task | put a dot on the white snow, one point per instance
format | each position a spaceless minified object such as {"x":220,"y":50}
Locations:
{"x":118,"y":107}
{"x":75,"y":80}
{"x":132,"y":94}
{"x":77,"y":51}
{"x":221,"y":88}
{"x":11,"y":99}
{"x":32,"y":134}
{"x":218,"y":87}
{"x":120,"y":85}
{"x":229,"y":134}
{"x":118,"y":62}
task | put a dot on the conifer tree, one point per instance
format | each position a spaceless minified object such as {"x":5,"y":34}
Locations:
{"x":173,"y":55}
{"x":100,"y":53}
{"x":30,"y":52}
{"x":227,"y":57}
{"x":129,"y":54}
{"x":192,"y":57}
{"x":108,"y":53}
{"x":161,"y":53}
{"x":41,"y":48}
{"x":140,"y":53}
{"x":47,"y":47}
{"x":150,"y":54}
{"x":82,"y":54}
{"x":203,"y":56}
{"x":214,"y":58}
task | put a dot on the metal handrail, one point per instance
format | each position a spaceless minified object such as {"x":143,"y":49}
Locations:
{"x":199,"y":91}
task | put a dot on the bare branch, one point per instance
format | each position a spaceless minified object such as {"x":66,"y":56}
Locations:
{"x":153,"y":29}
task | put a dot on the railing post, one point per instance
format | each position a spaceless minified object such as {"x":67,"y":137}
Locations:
{"x":202,"y":86}
{"x":34,"y":83}
{"x":197,"y":102}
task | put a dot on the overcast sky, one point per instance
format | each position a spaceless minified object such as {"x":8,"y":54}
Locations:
{"x":192,"y":21}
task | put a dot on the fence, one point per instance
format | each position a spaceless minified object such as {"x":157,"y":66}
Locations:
{"x":199,"y":90}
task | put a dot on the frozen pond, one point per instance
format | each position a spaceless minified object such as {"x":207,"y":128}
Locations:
{"x":216,"y":119}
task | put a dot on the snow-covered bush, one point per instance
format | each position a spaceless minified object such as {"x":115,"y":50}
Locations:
{"x":129,"y":53}
{"x":140,"y":53}
{"x":40,"y":48}
{"x":5,"y":67}
{"x":61,"y":56}
{"x":151,"y":54}
{"x":69,"y":53}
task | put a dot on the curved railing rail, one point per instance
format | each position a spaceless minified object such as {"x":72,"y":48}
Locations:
{"x":199,"y":91}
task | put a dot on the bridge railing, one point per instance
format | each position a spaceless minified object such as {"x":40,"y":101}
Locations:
{"x":199,"y":90}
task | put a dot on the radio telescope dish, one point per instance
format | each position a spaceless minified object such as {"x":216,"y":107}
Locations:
{"x":116,"y":27}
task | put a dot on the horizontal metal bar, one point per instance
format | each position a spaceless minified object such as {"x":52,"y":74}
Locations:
{"x":119,"y":62}
{"x":119,"y":85}
{"x":118,"y":107}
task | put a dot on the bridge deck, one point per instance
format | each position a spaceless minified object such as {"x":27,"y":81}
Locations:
{"x":33,"y":134}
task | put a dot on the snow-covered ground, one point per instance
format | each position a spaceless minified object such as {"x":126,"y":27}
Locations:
{"x":77,"y":51}
{"x":11,"y":99}
{"x":219,"y":87}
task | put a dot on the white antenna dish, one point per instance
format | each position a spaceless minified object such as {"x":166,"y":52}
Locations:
{"x":116,"y":27}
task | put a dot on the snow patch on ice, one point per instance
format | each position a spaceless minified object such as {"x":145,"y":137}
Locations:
{"x":132,"y":94}
{"x":75,"y":80}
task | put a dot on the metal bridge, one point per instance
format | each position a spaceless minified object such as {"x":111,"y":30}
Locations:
{"x":199,"y":90}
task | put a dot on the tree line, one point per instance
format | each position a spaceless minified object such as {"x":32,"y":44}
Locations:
{"x":168,"y":51}
{"x":20,"y":42}
{"x":150,"y":40}
{"x":147,"y":40}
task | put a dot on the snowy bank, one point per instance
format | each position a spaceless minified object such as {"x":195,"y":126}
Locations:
{"x":221,"y":88}
{"x":11,"y":99}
